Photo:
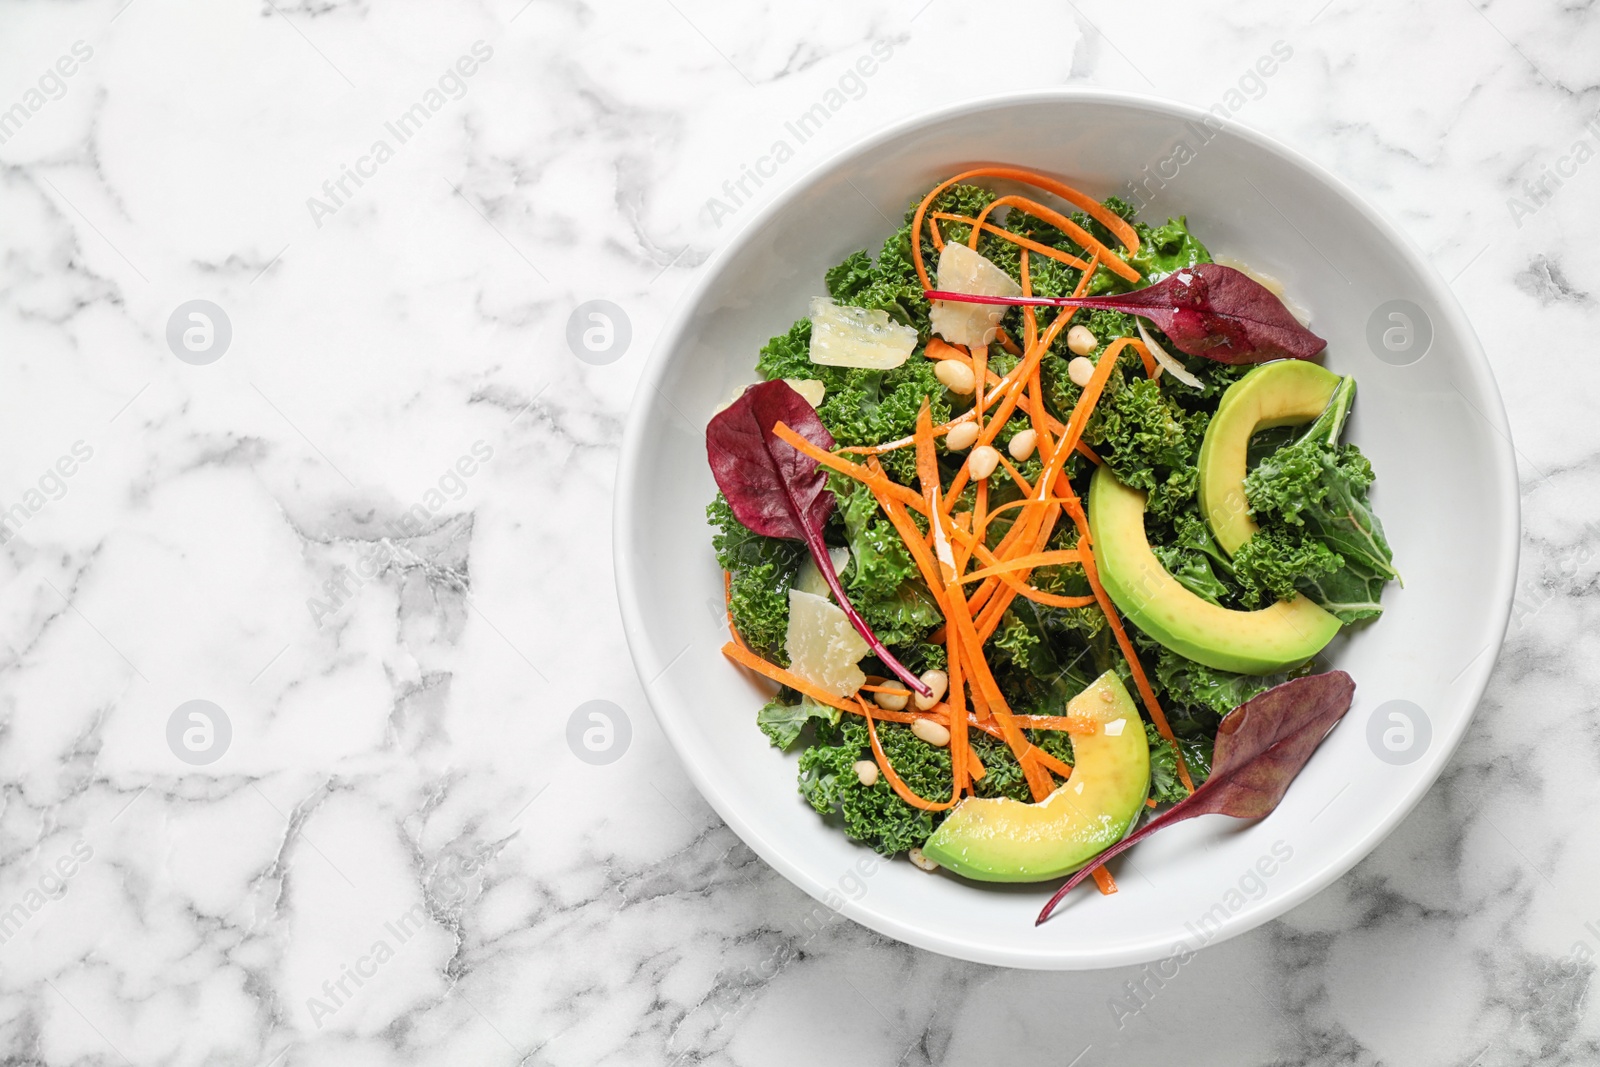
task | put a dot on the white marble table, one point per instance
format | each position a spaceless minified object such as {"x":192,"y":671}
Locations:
{"x":394,"y":856}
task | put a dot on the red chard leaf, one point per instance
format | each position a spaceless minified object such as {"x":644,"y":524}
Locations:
{"x":1209,"y":310}
{"x":1261,"y":747}
{"x":776,"y":490}
{"x":773,"y":488}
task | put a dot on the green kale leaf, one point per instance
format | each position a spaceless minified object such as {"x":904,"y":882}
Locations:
{"x":758,"y":603}
{"x":1149,"y":441}
{"x":1319,"y":487}
{"x":1277,"y":562}
{"x":882,"y":580}
{"x":1168,"y":248}
{"x":789,"y":356}
{"x":1187,"y":684}
{"x":762,"y":570}
{"x":873,"y":814}
{"x":1165,"y":785}
{"x":783,"y":722}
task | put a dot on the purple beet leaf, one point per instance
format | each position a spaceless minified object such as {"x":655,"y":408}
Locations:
{"x":1209,"y":310}
{"x":778,"y":491}
{"x":1261,"y":746}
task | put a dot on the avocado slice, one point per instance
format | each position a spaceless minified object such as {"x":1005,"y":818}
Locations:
{"x":1286,"y":392}
{"x":1004,"y":840}
{"x":1246,"y":642}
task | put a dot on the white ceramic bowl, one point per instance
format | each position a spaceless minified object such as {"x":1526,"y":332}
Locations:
{"x":1434,"y":429}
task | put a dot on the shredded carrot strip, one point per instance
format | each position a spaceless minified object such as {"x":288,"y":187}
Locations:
{"x":1152,"y":369}
{"x":1001,"y":570}
{"x":1027,"y":244}
{"x":1086,"y":239}
{"x":939,"y":348}
{"x":746,"y":658}
{"x":1028,"y":562}
{"x":995,"y":610}
{"x":1022,"y":371}
{"x":1141,"y":682}
{"x":1030,"y":317}
{"x":1016,"y":477}
{"x":853,"y":470}
{"x":972,"y":649}
{"x":1104,"y":882}
{"x":980,"y":376}
{"x":1096,"y":210}
{"x":1051,"y":763}
{"x":965,"y":767}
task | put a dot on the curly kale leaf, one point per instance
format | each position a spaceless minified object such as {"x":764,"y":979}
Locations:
{"x":1149,"y":441}
{"x":1039,"y":655}
{"x":758,"y":603}
{"x":883,"y":581}
{"x":850,"y":277}
{"x":789,"y":356}
{"x":1201,"y":689}
{"x":1277,"y":562}
{"x":872,"y":406}
{"x":1164,"y":249}
{"x":1194,"y":558}
{"x":1317,"y":487}
{"x":763,"y":568}
{"x":1192,"y":570}
{"x":1165,"y":785}
{"x":782,"y":722}
{"x":873,"y":814}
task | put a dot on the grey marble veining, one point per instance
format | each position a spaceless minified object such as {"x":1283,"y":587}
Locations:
{"x":375,"y":535}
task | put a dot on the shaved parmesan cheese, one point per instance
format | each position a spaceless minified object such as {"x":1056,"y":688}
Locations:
{"x":823,"y":647}
{"x":809,"y":580}
{"x":810,"y":388}
{"x":961,"y":270}
{"x":857,"y":337}
{"x":1163,"y":357}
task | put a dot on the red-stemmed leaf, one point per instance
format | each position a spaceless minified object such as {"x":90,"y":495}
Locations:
{"x":778,"y":491}
{"x":1209,"y":310}
{"x":1261,"y":746}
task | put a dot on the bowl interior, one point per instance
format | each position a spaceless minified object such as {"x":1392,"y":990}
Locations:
{"x":1433,"y":428}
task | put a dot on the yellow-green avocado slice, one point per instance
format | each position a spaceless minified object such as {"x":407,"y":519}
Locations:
{"x":1004,"y":840}
{"x":1283,"y":393}
{"x":1247,"y":642}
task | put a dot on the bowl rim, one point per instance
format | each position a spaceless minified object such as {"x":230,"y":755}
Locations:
{"x":1473,"y":361}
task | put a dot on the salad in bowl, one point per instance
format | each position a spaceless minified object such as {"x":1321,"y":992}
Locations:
{"x":1040,"y":521}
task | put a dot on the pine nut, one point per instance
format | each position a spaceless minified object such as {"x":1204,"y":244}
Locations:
{"x":915,"y":856}
{"x":931,"y":732}
{"x":1080,"y":370}
{"x":893,"y":701}
{"x":956,"y":376}
{"x":1022,"y":445}
{"x":1080,"y":341}
{"x":961,"y":437}
{"x":867,"y":771}
{"x":982,"y":462}
{"x":937,"y":681}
